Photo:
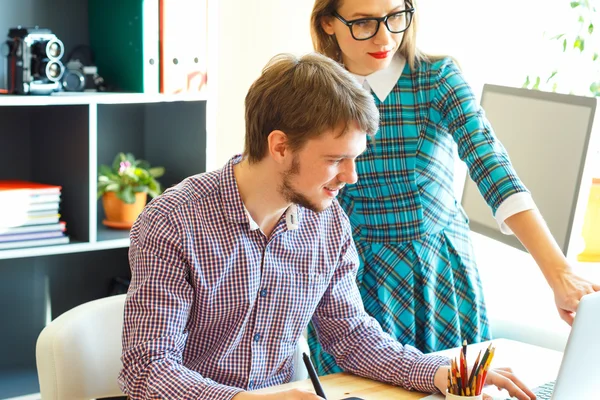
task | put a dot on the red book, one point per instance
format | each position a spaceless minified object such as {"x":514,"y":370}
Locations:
{"x":31,"y":188}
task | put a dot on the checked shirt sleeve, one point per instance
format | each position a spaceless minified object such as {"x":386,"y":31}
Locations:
{"x":356,"y":340}
{"x":487,"y":159}
{"x":156,"y":312}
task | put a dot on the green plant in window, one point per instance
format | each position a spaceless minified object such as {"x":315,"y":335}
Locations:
{"x":581,"y":46}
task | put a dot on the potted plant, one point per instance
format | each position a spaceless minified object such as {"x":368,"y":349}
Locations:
{"x":124,"y":188}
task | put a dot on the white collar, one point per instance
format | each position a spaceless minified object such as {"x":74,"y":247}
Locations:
{"x":382,"y":82}
{"x":291,"y":218}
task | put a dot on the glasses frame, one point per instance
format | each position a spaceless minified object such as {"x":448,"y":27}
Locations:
{"x":408,"y":11}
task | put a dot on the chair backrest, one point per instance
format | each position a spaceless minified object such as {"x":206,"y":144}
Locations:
{"x":78,"y":353}
{"x":300,"y":372}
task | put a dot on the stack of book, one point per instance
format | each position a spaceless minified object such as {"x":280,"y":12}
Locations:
{"x":29,"y":215}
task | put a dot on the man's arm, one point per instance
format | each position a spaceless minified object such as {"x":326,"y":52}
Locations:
{"x":356,"y":340}
{"x":156,"y":313}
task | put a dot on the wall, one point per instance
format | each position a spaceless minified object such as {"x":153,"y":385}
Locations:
{"x":250,"y":32}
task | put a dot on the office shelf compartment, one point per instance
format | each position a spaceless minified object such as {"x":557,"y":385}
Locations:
{"x":168,"y":134}
{"x":44,"y":144}
{"x":34,"y":290}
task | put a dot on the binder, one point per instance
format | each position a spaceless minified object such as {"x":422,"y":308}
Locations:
{"x":124,"y":39}
{"x":183,"y":45}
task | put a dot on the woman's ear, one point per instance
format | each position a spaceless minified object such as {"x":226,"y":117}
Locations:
{"x":327,"y":24}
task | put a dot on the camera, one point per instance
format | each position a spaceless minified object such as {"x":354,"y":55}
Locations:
{"x":81,"y":73}
{"x":33,"y":63}
{"x":82,"y":78}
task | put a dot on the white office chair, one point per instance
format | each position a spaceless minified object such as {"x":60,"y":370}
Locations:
{"x":78,"y":353}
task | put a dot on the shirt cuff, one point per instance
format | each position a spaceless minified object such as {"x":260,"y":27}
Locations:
{"x":423,"y":371}
{"x":514,"y":204}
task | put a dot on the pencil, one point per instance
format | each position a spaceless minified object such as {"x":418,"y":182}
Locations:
{"x":474,"y":370}
{"x":488,"y":362}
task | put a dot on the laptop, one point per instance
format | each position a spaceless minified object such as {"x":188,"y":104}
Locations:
{"x":579,"y":373}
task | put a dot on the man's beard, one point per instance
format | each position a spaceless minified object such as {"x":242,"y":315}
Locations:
{"x":291,"y":195}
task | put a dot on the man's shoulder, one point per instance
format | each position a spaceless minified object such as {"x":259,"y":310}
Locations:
{"x":333,"y":217}
{"x":192,"y":190}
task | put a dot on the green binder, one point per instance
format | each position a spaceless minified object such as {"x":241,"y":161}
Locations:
{"x":124,"y":37}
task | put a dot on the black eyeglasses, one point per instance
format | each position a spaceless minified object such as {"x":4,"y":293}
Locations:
{"x":366,"y":28}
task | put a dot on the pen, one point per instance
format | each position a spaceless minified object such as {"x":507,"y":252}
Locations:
{"x":313,"y":376}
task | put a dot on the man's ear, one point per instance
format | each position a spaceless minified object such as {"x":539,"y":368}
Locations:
{"x":278,"y":146}
{"x":327,"y":24}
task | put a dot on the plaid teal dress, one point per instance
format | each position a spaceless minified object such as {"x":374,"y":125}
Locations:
{"x":418,"y":276}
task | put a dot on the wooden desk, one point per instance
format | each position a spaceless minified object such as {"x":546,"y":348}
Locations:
{"x":342,"y":385}
{"x":534,"y":365}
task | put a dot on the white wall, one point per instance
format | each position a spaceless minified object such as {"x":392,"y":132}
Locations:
{"x":250,"y":33}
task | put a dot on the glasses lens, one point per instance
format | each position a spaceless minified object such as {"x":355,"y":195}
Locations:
{"x":364,"y":28}
{"x":398,"y":22}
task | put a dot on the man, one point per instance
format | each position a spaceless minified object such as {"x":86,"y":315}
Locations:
{"x":229,"y":267}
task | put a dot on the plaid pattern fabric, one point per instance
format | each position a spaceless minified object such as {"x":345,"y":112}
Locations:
{"x":215,"y":307}
{"x":417,"y":275}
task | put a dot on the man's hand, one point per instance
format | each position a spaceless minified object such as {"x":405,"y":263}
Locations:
{"x":294,"y":394}
{"x":568,"y":291}
{"x":503,"y":378}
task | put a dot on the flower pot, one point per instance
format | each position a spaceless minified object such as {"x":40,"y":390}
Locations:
{"x":119,"y":214}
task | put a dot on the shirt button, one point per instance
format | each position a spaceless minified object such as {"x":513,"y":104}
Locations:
{"x":257,"y":337}
{"x":263,"y":293}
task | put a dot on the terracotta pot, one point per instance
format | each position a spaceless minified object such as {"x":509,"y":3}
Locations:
{"x":120,"y":214}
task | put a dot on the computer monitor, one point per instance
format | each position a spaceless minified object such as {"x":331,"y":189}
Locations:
{"x":547,"y":136}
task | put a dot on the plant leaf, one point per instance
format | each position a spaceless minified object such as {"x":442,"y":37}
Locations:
{"x":142,"y":164}
{"x":591,"y":28}
{"x":157,"y":172}
{"x":595,"y":57}
{"x":127,"y":195}
{"x":595,"y":88}
{"x":131,"y":158}
{"x":575,"y":4}
{"x":564,"y":45}
{"x":551,"y":76}
{"x":140,"y":188}
{"x":579,"y":43}
{"x":104,"y":170}
{"x":536,"y":86}
{"x":526,"y":83}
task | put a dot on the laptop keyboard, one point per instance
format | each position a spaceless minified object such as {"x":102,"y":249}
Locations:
{"x":543,"y":392}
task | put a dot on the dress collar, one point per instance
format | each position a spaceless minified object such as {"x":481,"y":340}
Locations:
{"x":382,"y":82}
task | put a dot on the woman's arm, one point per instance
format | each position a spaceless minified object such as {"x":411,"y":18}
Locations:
{"x":531,"y":229}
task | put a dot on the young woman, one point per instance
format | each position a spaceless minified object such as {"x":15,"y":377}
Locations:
{"x":418,"y":276}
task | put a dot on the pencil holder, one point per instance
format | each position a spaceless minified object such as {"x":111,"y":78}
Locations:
{"x":450,"y":396}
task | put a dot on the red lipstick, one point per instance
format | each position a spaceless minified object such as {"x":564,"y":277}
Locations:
{"x":380,"y":54}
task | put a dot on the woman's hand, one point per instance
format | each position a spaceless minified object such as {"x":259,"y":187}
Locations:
{"x":568,"y":290}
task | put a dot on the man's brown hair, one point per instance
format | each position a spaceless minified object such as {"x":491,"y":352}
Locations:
{"x":304,"y":97}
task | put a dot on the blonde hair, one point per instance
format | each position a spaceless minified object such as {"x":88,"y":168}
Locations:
{"x":303,"y":97}
{"x":328,"y":45}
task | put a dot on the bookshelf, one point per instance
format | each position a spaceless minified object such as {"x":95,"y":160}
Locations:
{"x":62,"y":139}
